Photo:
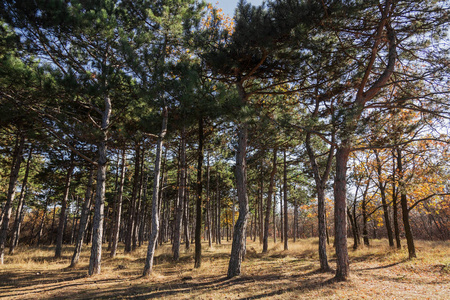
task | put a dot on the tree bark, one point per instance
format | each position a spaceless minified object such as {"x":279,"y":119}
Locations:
{"x":97,"y":226}
{"x":286,"y":219}
{"x":181,"y":198}
{"x":83,"y":219}
{"x":62,"y":214}
{"x":118,"y":206}
{"x":238,"y":244}
{"x":155,"y":198}
{"x":340,"y":218}
{"x":404,"y":205}
{"x":382,"y":187}
{"x":320,"y":190}
{"x":132,"y":209}
{"x":198,"y":210}
{"x":20,"y":205}
{"x":13,"y":177}
{"x":269,"y":204}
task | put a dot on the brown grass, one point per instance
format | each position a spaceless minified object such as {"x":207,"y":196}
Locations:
{"x":378,"y":272}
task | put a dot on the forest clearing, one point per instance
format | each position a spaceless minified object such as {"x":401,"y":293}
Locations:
{"x":377,"y":273}
{"x":165,"y":149}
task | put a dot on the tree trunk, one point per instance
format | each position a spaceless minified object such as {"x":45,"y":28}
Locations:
{"x":395,"y":205}
{"x":295,"y":229}
{"x":269,"y":204}
{"x":405,"y":210}
{"x":382,"y":187}
{"x":19,"y":210}
{"x":155,"y":199}
{"x":238,"y":244}
{"x":286,"y":219}
{"x":321,"y":211}
{"x":181,"y":197}
{"x":118,"y":206}
{"x":13,"y":177}
{"x":365,"y":231}
{"x":62,"y":214}
{"x":97,"y":226}
{"x":83,"y":219}
{"x":198,"y":210}
{"x":132,"y":209}
{"x":208,"y":205}
{"x":340,"y":218}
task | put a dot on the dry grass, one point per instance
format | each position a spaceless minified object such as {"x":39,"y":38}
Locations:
{"x":378,"y":272}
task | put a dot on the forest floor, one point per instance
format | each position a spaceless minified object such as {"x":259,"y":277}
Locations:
{"x":377,"y":272}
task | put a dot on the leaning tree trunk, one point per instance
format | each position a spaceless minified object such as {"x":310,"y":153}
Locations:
{"x":181,"y":198}
{"x":19,"y":210}
{"x":118,"y":204}
{"x":269,"y":204}
{"x":155,"y":199}
{"x":198,"y":209}
{"x":62,"y":214}
{"x":238,"y":244}
{"x":14,"y":175}
{"x":97,"y":226}
{"x":405,"y":210}
{"x":83,"y":219}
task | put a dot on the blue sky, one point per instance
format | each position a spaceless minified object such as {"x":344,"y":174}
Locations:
{"x":229,"y":6}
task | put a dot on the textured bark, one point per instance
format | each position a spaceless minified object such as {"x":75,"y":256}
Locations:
{"x":97,"y":226}
{"x":83,"y":219}
{"x":19,"y":211}
{"x":405,"y":210}
{"x":269,"y":205}
{"x":62,"y":214}
{"x":181,"y":198}
{"x":155,"y":199}
{"x":320,"y":181}
{"x":238,"y":244}
{"x":118,"y":207}
{"x":13,"y":176}
{"x":340,"y":218}
{"x":198,"y":209}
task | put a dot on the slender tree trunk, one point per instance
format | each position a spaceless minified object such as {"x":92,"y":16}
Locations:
{"x":365,"y":231}
{"x":118,"y":204}
{"x":238,"y":244}
{"x":20,"y":205}
{"x":181,"y":197}
{"x":382,"y":187}
{"x":219,"y":237}
{"x":395,"y":205}
{"x":97,"y":226}
{"x":321,"y":211}
{"x":13,"y":177}
{"x":83,"y":219}
{"x":132,"y":208}
{"x":286,"y":219}
{"x":208,"y":204}
{"x":405,"y":210}
{"x":62,"y":214}
{"x":198,"y":210}
{"x":41,"y":226}
{"x":340,"y":218}
{"x":261,"y":206}
{"x":155,"y":201}
{"x":295,"y":229}
{"x":269,"y":205}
